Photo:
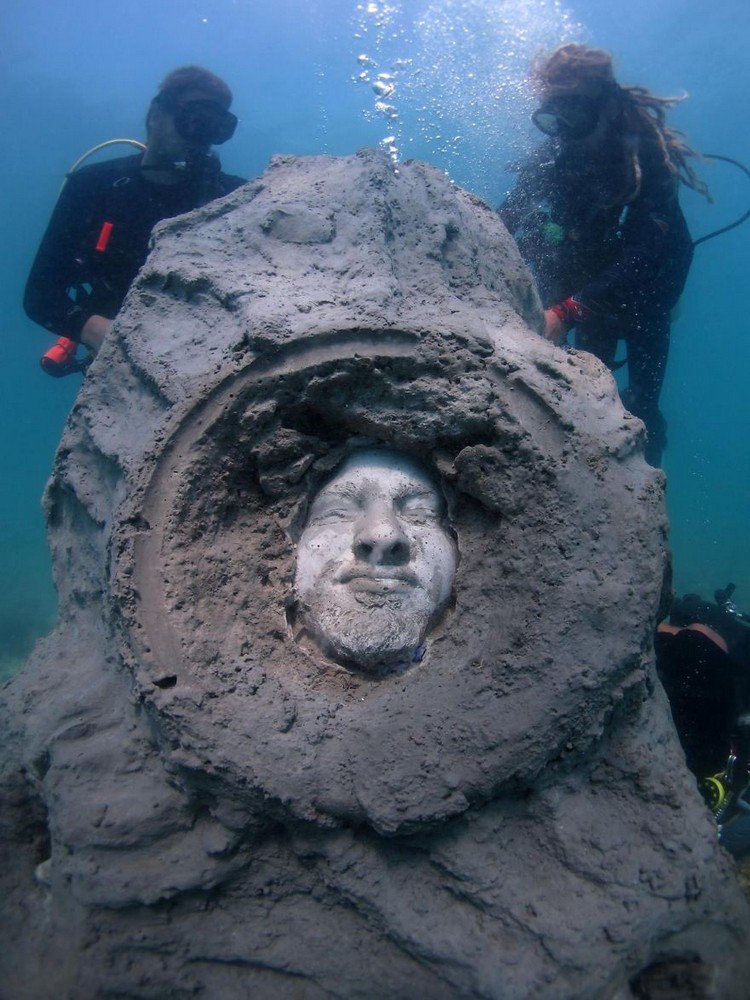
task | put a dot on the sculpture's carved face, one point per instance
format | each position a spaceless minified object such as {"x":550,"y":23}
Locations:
{"x":375,"y":563}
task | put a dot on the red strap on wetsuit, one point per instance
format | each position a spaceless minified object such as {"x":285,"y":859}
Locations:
{"x":104,"y":235}
{"x":570,"y":312}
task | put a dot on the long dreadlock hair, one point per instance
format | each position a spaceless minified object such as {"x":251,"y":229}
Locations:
{"x":644,"y":114}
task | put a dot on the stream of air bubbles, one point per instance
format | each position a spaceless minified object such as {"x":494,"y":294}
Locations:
{"x":448,"y":77}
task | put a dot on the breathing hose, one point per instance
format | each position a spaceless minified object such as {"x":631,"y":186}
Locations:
{"x":742,"y":218}
{"x":95,"y":149}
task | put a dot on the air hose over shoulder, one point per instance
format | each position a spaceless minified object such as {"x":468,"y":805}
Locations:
{"x":95,"y":149}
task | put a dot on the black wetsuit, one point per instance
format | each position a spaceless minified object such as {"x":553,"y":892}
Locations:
{"x":625,"y":262}
{"x":98,"y":236}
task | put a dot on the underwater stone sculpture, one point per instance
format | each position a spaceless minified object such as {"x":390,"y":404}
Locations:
{"x":198,"y":799}
{"x":375,"y":563}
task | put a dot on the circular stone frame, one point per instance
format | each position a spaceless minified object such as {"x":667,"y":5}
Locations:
{"x":561,"y":555}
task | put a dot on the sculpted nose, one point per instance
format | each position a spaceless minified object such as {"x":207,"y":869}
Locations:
{"x":379,"y":539}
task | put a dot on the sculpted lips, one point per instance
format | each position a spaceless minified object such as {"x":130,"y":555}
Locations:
{"x":378,"y":578}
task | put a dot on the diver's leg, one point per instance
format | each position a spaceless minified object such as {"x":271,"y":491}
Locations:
{"x":648,"y":347}
{"x":599,"y":339}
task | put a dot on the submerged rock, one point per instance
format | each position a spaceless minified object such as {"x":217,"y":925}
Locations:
{"x":196,"y":803}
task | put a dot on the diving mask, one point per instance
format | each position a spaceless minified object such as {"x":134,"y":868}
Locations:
{"x":568,"y":116}
{"x":200,"y":122}
{"x":204,"y":123}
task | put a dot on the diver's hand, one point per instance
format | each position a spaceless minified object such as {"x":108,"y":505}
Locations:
{"x":94,"y":331}
{"x":554,"y":328}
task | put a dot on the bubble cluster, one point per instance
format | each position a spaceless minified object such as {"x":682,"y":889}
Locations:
{"x":378,"y":23}
{"x":475,"y":56}
{"x":450,"y":76}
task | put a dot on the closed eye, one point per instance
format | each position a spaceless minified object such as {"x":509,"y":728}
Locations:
{"x":340,"y":510}
{"x":419,"y":509}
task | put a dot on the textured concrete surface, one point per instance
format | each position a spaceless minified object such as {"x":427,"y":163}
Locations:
{"x":194,"y":804}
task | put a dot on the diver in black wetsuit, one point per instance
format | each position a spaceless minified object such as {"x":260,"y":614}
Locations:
{"x":703,"y":662}
{"x":596,"y":215}
{"x":97,"y":238}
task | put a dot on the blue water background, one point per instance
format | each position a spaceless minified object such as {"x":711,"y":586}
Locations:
{"x":74,"y":74}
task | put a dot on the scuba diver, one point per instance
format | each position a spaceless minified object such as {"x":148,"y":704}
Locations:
{"x":98,"y":236}
{"x":596,"y":215}
{"x":703,"y":662}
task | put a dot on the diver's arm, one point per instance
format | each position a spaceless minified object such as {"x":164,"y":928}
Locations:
{"x":511,"y":211}
{"x":630,"y":283}
{"x":621,"y":286}
{"x":518,"y":202}
{"x":94,"y":330}
{"x":555,"y":326}
{"x":534,"y":179}
{"x":55,"y":269}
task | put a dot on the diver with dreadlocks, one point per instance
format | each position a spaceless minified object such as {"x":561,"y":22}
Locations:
{"x":596,"y":215}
